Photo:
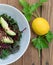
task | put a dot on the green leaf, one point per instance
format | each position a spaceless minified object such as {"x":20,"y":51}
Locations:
{"x":16,"y":47}
{"x":35,"y":6}
{"x":42,"y":1}
{"x":49,"y":36}
{"x":28,"y":16}
{"x":29,"y":9}
{"x":39,"y":43}
{"x":24,"y":3}
{"x":26,"y":9}
{"x":27,"y":13}
{"x":4,"y":54}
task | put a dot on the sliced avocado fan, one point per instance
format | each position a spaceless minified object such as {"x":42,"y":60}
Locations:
{"x":5,"y":26}
{"x":7,"y":40}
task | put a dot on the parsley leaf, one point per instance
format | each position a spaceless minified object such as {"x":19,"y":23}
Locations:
{"x":28,"y":16}
{"x":29,"y":9}
{"x":27,"y":13}
{"x":42,"y":1}
{"x":49,"y":36}
{"x":39,"y":43}
{"x":24,"y":3}
{"x":35,"y":6}
{"x":26,"y":9}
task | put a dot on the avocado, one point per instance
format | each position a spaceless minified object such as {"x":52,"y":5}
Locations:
{"x":10,"y":32}
{"x":5,"y":26}
{"x":7,"y":40}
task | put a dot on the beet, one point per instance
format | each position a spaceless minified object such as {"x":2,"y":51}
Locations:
{"x":4,"y":46}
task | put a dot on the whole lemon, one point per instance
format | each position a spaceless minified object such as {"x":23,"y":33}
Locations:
{"x":40,"y":26}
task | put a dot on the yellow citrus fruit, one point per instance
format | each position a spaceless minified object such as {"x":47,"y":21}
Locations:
{"x":40,"y":26}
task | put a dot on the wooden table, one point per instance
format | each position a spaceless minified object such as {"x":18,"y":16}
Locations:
{"x":31,"y":55}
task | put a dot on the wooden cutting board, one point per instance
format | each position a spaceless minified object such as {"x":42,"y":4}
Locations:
{"x":31,"y":55}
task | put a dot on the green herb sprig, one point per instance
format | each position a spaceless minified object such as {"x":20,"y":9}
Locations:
{"x":42,"y":41}
{"x":29,"y":9}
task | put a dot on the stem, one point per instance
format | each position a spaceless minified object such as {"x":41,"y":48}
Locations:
{"x":39,"y":52}
{"x":40,"y":55}
{"x":34,"y":15}
{"x":41,"y":11}
{"x":37,"y":13}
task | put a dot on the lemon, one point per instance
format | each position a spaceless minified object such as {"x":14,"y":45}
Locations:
{"x":40,"y":26}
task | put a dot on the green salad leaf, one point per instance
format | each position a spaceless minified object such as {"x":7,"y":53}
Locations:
{"x":4,"y":53}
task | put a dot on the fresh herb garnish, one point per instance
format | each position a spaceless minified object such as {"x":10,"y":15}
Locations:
{"x":39,"y":43}
{"x":29,"y":9}
{"x":49,"y":36}
{"x":42,"y":41}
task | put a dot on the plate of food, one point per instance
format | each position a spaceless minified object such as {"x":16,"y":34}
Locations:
{"x":14,"y":34}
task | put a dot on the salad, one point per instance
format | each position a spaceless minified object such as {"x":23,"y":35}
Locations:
{"x":10,"y":36}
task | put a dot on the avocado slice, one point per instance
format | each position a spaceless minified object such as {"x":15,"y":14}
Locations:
{"x":4,"y":24}
{"x":10,"y":32}
{"x":7,"y":40}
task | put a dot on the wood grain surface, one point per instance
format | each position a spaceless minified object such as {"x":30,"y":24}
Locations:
{"x":31,"y":55}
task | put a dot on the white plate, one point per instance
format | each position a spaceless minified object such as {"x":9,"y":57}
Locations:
{"x":22,"y":22}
